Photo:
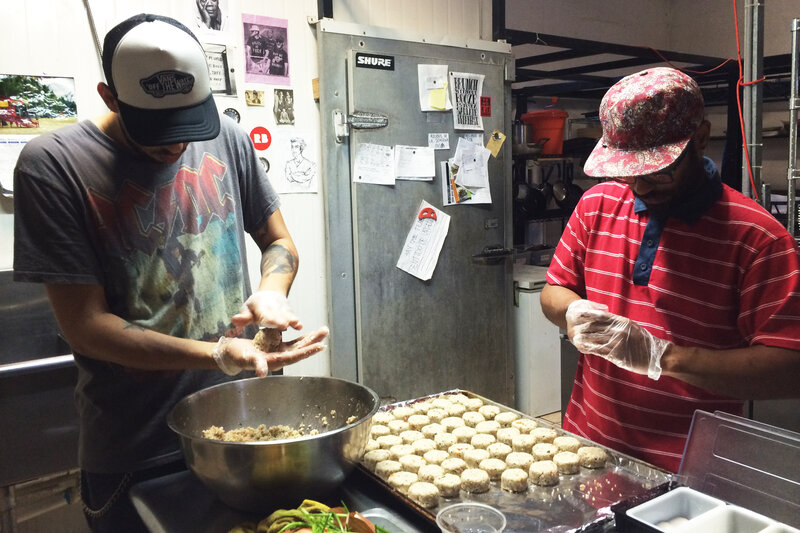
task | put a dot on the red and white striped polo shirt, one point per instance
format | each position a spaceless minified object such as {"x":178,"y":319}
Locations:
{"x":731,"y":279}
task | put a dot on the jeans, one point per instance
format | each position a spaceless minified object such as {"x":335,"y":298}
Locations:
{"x":107,"y":504}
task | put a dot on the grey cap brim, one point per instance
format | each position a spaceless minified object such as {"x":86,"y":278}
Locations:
{"x":158,"y":127}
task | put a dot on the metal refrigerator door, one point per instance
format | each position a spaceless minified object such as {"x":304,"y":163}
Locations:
{"x":419,"y":337}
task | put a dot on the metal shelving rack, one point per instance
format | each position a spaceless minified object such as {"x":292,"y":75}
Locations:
{"x":794,"y":104}
{"x":593,"y":78}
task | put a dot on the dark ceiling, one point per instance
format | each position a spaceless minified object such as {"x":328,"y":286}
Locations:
{"x":600,"y":61}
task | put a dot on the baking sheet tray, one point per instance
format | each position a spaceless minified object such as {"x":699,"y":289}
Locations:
{"x":579,"y":502}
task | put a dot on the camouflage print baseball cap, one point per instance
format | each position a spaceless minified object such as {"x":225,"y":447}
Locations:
{"x":648,"y":118}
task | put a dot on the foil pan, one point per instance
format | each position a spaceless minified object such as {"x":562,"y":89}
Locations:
{"x":580,"y":502}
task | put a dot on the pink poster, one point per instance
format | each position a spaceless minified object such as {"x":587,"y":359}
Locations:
{"x":266,"y":45}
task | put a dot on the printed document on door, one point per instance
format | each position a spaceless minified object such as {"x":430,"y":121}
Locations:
{"x":424,"y":241}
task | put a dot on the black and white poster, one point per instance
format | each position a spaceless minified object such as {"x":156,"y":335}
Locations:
{"x":210,"y":15}
{"x":283,"y":106}
{"x":465,"y":94}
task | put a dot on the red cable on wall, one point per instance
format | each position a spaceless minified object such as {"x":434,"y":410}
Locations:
{"x":740,"y":83}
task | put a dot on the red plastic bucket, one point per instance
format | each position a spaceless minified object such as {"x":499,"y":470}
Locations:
{"x":549,"y":124}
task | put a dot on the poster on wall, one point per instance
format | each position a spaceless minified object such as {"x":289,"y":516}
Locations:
{"x":283,"y":106}
{"x":466,"y":89}
{"x":293,"y":161}
{"x":29,"y":106}
{"x":210,"y":16}
{"x":266,"y":45}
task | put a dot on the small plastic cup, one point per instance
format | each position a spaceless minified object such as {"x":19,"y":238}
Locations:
{"x":470,"y":517}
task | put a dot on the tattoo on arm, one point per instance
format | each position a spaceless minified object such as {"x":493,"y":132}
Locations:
{"x":130,"y":325}
{"x":278,"y":260}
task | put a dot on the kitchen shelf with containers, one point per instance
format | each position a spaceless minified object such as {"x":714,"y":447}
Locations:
{"x":544,"y":163}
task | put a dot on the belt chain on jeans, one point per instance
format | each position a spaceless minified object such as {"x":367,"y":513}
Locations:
{"x":91,"y":513}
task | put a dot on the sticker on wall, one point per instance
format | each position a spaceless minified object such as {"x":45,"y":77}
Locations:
{"x":283,"y":106}
{"x":486,"y":106}
{"x":266,"y":49}
{"x":232,"y":113}
{"x":264,"y":163}
{"x":253,"y":97}
{"x":261,"y":137}
{"x":375,"y":61}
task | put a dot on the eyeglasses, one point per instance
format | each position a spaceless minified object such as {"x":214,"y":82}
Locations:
{"x":662,"y":177}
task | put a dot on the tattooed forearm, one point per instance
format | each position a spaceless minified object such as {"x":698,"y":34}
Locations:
{"x":130,"y":325}
{"x":278,"y":259}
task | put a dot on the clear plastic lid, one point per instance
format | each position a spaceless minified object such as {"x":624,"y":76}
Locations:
{"x":744,"y":462}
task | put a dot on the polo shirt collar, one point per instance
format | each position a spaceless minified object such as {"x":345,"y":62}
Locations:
{"x":699,"y":202}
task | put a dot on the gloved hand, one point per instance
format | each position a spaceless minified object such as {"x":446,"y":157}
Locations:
{"x":269,"y":309}
{"x":232,"y":355}
{"x":593,"y":330}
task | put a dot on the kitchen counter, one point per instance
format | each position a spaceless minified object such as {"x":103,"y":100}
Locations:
{"x":180,"y":502}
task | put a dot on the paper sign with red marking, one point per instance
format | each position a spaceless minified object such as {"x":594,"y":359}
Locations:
{"x":424,"y":242}
{"x":261,"y":137}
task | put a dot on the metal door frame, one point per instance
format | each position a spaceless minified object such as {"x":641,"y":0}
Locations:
{"x":336,"y":164}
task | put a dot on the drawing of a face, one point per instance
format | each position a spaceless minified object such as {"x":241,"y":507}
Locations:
{"x":296,"y":148}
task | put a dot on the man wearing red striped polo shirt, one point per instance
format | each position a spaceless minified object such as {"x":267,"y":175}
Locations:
{"x":680,"y":292}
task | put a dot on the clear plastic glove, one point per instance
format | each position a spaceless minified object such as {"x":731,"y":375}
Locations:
{"x":268,"y":309}
{"x":593,"y":330}
{"x":233,"y":355}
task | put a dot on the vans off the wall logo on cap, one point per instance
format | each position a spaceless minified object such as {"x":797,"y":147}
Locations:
{"x":167,"y":82}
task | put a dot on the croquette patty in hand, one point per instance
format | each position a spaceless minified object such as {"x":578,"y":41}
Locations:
{"x":268,"y":339}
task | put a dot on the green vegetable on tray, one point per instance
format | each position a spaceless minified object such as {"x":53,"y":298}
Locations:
{"x":311,"y":517}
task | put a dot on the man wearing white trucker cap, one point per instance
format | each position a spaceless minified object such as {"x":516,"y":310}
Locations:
{"x":679,"y":292}
{"x":135,"y":222}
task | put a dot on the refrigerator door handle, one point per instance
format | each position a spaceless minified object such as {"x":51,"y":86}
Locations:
{"x":492,"y":255}
{"x":360,"y":120}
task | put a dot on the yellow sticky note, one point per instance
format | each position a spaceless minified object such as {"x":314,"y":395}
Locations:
{"x":495,"y":142}
{"x":438,"y":98}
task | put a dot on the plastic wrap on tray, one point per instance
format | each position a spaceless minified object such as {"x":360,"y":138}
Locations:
{"x":579,"y":501}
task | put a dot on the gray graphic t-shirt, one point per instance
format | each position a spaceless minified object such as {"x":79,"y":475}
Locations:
{"x":167,"y":244}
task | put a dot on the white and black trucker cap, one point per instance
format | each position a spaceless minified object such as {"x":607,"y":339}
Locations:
{"x":157,"y":69}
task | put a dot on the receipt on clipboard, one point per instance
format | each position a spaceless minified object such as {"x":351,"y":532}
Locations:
{"x":424,"y":241}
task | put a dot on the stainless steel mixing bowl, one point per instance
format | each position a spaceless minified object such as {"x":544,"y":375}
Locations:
{"x":263,"y":476}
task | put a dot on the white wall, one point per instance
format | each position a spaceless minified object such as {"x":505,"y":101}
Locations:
{"x":454,"y":18}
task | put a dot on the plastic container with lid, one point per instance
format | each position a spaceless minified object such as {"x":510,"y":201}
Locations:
{"x":547,"y":124}
{"x":753,"y":468}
